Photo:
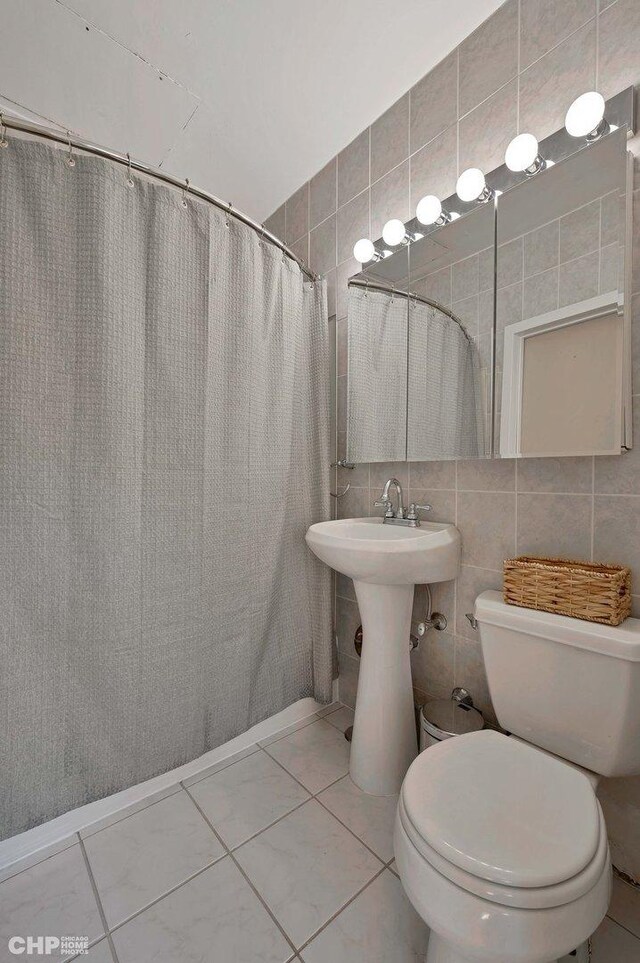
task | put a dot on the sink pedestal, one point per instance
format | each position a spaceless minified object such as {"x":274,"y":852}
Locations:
{"x":384,"y":742}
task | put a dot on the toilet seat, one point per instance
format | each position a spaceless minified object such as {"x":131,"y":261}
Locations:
{"x":504,"y":821}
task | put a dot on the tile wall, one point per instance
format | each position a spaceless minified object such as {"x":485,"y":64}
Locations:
{"x":518,"y":71}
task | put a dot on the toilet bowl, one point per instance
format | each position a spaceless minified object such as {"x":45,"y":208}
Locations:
{"x":502,"y":850}
{"x":500,"y":841}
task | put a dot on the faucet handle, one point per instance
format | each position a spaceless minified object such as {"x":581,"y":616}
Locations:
{"x":385,"y":502}
{"x":414,"y":509}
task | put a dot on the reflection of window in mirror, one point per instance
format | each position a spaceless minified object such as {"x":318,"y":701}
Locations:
{"x":571,"y":378}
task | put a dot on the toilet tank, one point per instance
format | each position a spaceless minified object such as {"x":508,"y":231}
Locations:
{"x":565,"y":685}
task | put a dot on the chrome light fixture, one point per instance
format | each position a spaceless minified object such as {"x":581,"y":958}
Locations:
{"x":585,"y":117}
{"x":429,"y":211}
{"x":472,"y":186}
{"x":523,"y":155}
{"x":394,"y":232}
{"x":364,"y":251}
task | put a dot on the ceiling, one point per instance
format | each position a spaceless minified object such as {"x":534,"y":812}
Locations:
{"x":247,"y":98}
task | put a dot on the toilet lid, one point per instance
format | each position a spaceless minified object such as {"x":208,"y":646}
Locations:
{"x":502,"y":810}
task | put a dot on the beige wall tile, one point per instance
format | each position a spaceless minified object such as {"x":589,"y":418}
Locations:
{"x":353,"y":223}
{"x":554,"y":525}
{"x":548,"y":86}
{"x":544,"y":23}
{"x":344,"y":271}
{"x":540,"y":293}
{"x":469,"y":585}
{"x":438,"y":285}
{"x":322,"y":193}
{"x":487,"y":523}
{"x":390,"y":197}
{"x":432,"y":474}
{"x":464,"y":278}
{"x":489,"y":57}
{"x":381,"y":471}
{"x":434,"y":102}
{"x":353,"y":168}
{"x":432,"y":664}
{"x":297,"y":214}
{"x":344,"y":587}
{"x":434,"y":167}
{"x":579,"y":279}
{"x":322,"y":246}
{"x":555,"y":475}
{"x":580,"y":232}
{"x":301,"y":248}
{"x":616,"y":532}
{"x":485,"y":132}
{"x":487,"y":474}
{"x":509,"y":263}
{"x":541,"y":249}
{"x":355,"y":504}
{"x":276,"y":224}
{"x":619,"y":42}
{"x":390,"y":138}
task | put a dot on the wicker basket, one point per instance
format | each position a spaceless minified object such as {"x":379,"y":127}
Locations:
{"x":584,"y":590}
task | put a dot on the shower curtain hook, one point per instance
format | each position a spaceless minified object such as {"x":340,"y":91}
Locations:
{"x":3,"y":132}
{"x":230,"y":208}
{"x":71,"y":161}
{"x":185,"y":191}
{"x":129,"y":177}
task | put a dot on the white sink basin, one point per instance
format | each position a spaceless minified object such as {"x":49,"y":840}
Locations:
{"x":367,"y":550}
{"x":385,"y":561}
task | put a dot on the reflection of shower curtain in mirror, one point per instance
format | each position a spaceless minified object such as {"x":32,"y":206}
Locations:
{"x":377,"y":384}
{"x":445,"y":407}
{"x":164,"y":444}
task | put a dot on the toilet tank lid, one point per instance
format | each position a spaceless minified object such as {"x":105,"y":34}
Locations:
{"x":617,"y":641}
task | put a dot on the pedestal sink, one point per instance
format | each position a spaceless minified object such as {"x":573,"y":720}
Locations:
{"x":385,"y":562}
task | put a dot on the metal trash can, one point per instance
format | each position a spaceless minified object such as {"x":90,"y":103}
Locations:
{"x":445,"y":718}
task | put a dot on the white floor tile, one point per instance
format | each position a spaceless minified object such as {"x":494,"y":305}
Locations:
{"x":613,"y":944}
{"x":215,"y":917}
{"x":306,"y":867}
{"x":342,"y":718}
{"x":380,"y":926}
{"x":100,"y":953}
{"x":143,"y":856}
{"x":369,"y":817}
{"x":625,"y":905}
{"x":247,"y":797}
{"x":316,"y":755}
{"x":53,"y":898}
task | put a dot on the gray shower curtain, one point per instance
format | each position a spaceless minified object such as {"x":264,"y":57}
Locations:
{"x":163,"y":448}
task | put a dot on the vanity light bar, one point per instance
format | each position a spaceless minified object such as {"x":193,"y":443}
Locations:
{"x":585,"y":118}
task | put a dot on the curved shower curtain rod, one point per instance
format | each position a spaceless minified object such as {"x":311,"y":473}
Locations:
{"x":12,"y":123}
{"x":376,"y":286}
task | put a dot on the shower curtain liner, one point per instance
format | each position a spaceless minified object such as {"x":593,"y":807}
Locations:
{"x":163,"y":447}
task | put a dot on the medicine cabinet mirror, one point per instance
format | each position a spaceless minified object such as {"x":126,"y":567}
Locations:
{"x":504,"y":332}
{"x":563,"y":378}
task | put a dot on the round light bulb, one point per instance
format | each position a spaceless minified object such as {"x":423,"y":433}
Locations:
{"x":471,"y":184}
{"x":393,"y":233}
{"x":363,"y":250}
{"x":585,"y":114}
{"x":429,"y":209}
{"x":521,"y":152}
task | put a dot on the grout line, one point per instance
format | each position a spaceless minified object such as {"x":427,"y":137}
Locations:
{"x":96,"y":894}
{"x":241,"y":870}
{"x":324,"y":926}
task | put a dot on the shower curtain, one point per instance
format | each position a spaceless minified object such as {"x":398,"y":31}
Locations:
{"x":163,"y":448}
{"x":446,"y":409}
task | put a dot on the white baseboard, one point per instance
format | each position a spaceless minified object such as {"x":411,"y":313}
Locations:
{"x":53,"y":835}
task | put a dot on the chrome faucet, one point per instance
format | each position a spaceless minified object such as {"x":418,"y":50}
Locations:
{"x":398,"y":517}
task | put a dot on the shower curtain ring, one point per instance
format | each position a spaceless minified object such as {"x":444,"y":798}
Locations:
{"x":71,"y":161}
{"x":129,"y":177}
{"x":3,"y":132}
{"x":185,"y":191}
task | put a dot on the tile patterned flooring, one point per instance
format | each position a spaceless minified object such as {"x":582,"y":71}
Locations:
{"x":270,"y":856}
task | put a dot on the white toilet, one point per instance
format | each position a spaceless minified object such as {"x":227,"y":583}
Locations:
{"x":500,"y":841}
